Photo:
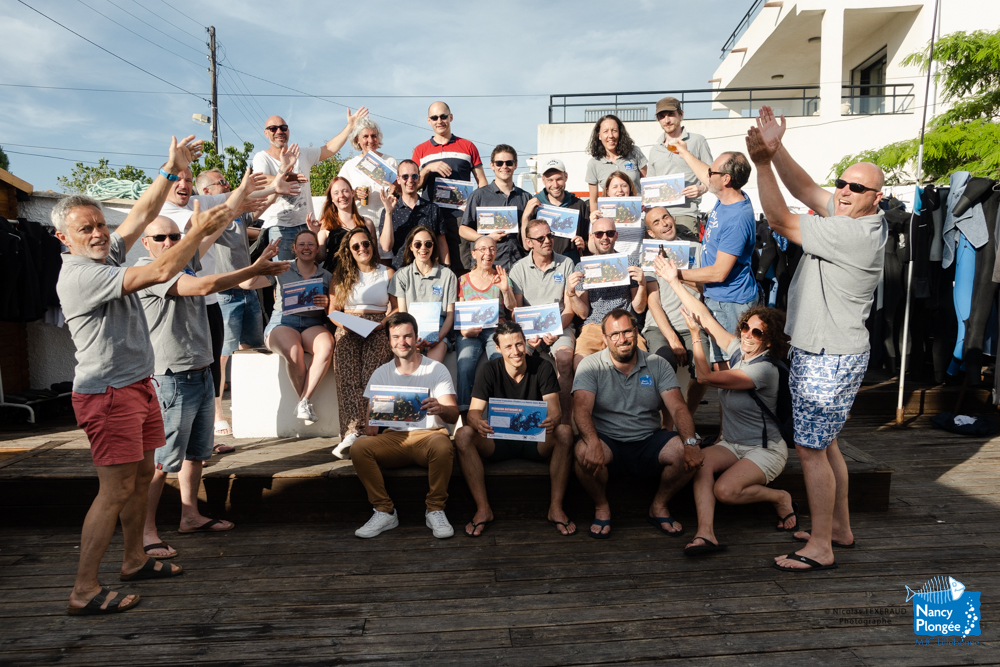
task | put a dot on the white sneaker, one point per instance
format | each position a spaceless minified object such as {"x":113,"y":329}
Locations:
{"x":438,"y":523}
{"x":379,"y":523}
{"x":343,"y":450}
{"x":304,"y":411}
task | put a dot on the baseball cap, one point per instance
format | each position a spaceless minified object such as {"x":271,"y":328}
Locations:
{"x":553,"y":164}
{"x":668,"y":104}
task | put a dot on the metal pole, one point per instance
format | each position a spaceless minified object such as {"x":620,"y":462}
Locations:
{"x":215,"y":92}
{"x":913,"y":214}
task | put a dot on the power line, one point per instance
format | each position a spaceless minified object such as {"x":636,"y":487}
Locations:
{"x":239,"y":106}
{"x":345,"y":97}
{"x":153,"y":26}
{"x":138,"y":35}
{"x":69,"y":159}
{"x":127,"y":62}
{"x":242,"y":141}
{"x":174,"y":24}
{"x":225,"y":58}
{"x":241,"y":98}
{"x":78,"y":150}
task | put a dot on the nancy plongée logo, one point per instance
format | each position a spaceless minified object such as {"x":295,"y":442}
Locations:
{"x":942,"y":606}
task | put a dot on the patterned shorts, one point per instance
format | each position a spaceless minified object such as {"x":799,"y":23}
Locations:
{"x":823,"y":388}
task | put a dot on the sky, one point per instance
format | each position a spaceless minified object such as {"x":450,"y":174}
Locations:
{"x":495,"y":64}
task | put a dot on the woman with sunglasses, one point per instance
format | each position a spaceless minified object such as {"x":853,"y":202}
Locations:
{"x":292,"y":335}
{"x":367,"y":136}
{"x":612,"y":150}
{"x":361,"y":288}
{"x":486,"y":281}
{"x":340,"y":215}
{"x":423,"y":280}
{"x":744,"y":465}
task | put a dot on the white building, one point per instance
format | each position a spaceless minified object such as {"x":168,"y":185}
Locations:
{"x":833,"y":67}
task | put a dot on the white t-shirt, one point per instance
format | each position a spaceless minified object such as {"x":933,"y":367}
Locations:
{"x":288,"y":211}
{"x":431,"y":375}
{"x":181,"y":215}
{"x":373,"y":209}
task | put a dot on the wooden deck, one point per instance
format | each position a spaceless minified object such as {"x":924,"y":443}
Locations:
{"x":312,"y":593}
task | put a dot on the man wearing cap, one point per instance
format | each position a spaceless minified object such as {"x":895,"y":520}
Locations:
{"x":664,"y":159}
{"x":554,"y":193}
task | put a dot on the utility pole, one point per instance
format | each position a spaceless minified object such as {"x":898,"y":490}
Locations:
{"x":215,"y":94}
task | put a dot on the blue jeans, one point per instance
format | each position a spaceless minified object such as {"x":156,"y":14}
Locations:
{"x":187,"y":401}
{"x":298,"y":322}
{"x":287,"y":236}
{"x":242,"y":319}
{"x":728,"y":315}
{"x":469,"y":351}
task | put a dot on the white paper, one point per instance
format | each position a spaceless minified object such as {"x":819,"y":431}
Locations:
{"x":662,"y":190}
{"x":358,"y":325}
{"x":478,"y":314}
{"x":428,"y":316}
{"x":605,"y":271}
{"x":538,"y":320}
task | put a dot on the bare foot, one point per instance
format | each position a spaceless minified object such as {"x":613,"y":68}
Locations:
{"x":561,"y":521}
{"x":784,"y":509}
{"x":195,"y":523}
{"x":480,"y":519}
{"x":80,"y":600}
{"x":601,"y":515}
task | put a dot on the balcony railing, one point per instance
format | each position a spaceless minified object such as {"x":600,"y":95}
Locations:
{"x":697,"y":103}
{"x":743,"y":25}
{"x":868,"y":99}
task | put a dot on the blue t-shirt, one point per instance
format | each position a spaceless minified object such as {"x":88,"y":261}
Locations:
{"x":731,"y":229}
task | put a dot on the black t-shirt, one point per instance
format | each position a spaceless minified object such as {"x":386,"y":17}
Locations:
{"x":332,"y":246}
{"x":493,"y":380}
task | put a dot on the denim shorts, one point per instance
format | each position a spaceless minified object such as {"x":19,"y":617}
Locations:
{"x":728,"y":315}
{"x":187,"y":401}
{"x":242,"y":319}
{"x":298,"y":322}
{"x":287,"y":236}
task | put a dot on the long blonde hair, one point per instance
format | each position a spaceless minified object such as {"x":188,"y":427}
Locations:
{"x":348,"y":273}
{"x":331,"y":215}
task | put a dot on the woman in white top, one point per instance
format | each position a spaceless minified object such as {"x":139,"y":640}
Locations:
{"x":360,"y":288}
{"x":340,"y":214}
{"x":367,"y":136}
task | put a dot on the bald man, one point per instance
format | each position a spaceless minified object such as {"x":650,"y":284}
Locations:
{"x":829,"y":300}
{"x":286,"y":217}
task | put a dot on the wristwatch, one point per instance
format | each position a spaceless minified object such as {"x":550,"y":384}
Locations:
{"x":691,"y":442}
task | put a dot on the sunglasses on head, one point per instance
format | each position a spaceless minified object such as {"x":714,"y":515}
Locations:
{"x":504,"y":163}
{"x":600,"y":235}
{"x":756,"y":333}
{"x":409,"y":177}
{"x":417,"y":245}
{"x":160,"y":238}
{"x":443,"y":116}
{"x":360,"y":245}
{"x":542,"y":238}
{"x":275,"y":128}
{"x":855,"y":187}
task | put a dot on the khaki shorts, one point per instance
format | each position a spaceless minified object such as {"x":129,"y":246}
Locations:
{"x":591,"y":340}
{"x":771,"y":460}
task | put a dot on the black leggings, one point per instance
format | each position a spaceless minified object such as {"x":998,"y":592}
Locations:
{"x":218,"y":336}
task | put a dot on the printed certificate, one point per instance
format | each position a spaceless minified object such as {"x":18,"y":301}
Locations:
{"x":298,"y":297}
{"x":605,"y":271}
{"x":483,"y":313}
{"x":452,"y":194}
{"x":398,"y":406}
{"x":496,"y":219}
{"x":686,"y":255}
{"x":623,"y":210}
{"x":517,"y":420}
{"x":629,"y":240}
{"x":538,"y":320}
{"x":377,"y":169}
{"x":562,"y":221}
{"x":428,"y":316}
{"x":662,"y":190}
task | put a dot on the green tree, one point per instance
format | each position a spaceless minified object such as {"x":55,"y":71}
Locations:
{"x":4,"y":160}
{"x":83,"y":175}
{"x":232,"y":163}
{"x":323,"y":172}
{"x":966,"y":137}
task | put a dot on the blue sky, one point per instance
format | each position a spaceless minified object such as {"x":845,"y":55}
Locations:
{"x":413,"y":52}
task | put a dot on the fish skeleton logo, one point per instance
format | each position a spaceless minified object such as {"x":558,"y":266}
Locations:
{"x":942,"y":606}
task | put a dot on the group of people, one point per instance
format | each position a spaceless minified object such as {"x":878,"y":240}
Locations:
{"x":147,"y":380}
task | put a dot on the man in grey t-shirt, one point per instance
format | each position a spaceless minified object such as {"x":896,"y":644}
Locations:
{"x":182,"y":346}
{"x":829,"y":300}
{"x":617,"y":394}
{"x":113,"y":396}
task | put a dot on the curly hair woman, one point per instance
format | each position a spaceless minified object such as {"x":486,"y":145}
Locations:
{"x":610,"y":150}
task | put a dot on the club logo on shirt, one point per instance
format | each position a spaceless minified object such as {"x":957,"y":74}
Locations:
{"x":558,"y":278}
{"x":629,"y":166}
{"x":437,"y":290}
{"x":645,"y":381}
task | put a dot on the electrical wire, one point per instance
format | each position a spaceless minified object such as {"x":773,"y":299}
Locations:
{"x":69,"y":159}
{"x":138,"y":35}
{"x":110,"y":2}
{"x":242,"y":140}
{"x":225,"y":58}
{"x":77,"y":150}
{"x":171,"y":23}
{"x":239,"y":106}
{"x":238,"y":97}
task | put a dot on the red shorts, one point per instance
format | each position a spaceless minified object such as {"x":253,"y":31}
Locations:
{"x":121,"y":424}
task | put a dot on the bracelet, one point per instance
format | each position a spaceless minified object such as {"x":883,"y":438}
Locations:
{"x":167,"y":175}
{"x":695,"y":340}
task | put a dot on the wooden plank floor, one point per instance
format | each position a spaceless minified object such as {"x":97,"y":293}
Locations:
{"x":522,"y":595}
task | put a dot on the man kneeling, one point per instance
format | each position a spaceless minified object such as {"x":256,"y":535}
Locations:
{"x":515,"y":375}
{"x":424,"y":442}
{"x":617,"y":394}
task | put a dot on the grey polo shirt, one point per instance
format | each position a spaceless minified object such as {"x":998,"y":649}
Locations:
{"x":439,"y":284}
{"x":292,"y":275}
{"x":540,"y":287}
{"x":178,"y":325}
{"x":598,"y":169}
{"x":232,"y":249}
{"x":662,"y":162}
{"x":626,"y":408}
{"x":108,"y":329}
{"x":831,"y":293}
{"x":510,"y":249}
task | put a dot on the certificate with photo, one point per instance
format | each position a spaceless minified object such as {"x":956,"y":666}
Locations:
{"x":662,"y":190}
{"x":452,"y":194}
{"x":605,"y":271}
{"x":538,"y":320}
{"x":298,"y":297}
{"x":398,"y":406}
{"x":428,"y":316}
{"x":517,"y":420}
{"x":562,"y":221}
{"x":623,"y":210}
{"x":686,"y":255}
{"x":483,"y":313}
{"x":377,"y":169}
{"x":496,"y":219}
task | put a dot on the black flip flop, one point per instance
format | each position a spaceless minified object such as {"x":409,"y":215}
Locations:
{"x":602,"y":523}
{"x":159,"y":545}
{"x":208,"y":527}
{"x":93,"y":607}
{"x":658,"y":521}
{"x":564,"y":524}
{"x":839,"y":545}
{"x":149,"y":571}
{"x":708,"y":547}
{"x":795,"y":513}
{"x":814,"y":566}
{"x":484,"y":524}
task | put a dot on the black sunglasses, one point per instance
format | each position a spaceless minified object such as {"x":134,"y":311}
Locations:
{"x":716,"y":173}
{"x":756,"y":333}
{"x":504,"y":163}
{"x":444,"y":116}
{"x":408,"y":177}
{"x":160,"y":238}
{"x":541,"y":239}
{"x":275,"y":128}
{"x":600,"y":234}
{"x":360,"y":245}
{"x":417,"y":245}
{"x":855,"y":187}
